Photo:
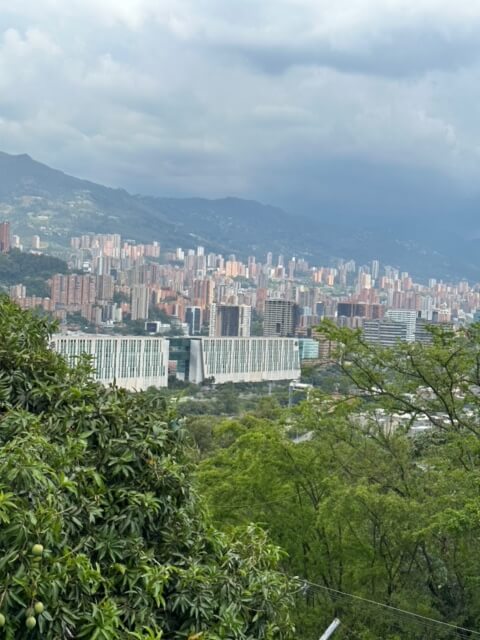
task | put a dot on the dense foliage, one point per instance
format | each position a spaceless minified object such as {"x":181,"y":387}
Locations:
{"x":101,"y":534}
{"x":32,"y":270}
{"x":380,"y":497}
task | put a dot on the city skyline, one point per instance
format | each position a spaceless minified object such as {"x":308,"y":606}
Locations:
{"x":110,"y":276}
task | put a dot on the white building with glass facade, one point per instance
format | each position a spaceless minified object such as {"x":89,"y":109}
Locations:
{"x":244,"y":359}
{"x":132,"y":362}
{"x":406,"y":316}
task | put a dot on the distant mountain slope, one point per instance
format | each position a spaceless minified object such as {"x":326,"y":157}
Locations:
{"x":44,"y":201}
{"x":38,"y":199}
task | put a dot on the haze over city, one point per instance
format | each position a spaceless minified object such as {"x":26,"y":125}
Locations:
{"x":356,"y":107}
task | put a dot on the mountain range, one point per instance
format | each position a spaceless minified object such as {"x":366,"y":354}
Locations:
{"x":40,"y":200}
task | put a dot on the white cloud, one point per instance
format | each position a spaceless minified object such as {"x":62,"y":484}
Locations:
{"x":210,"y":96}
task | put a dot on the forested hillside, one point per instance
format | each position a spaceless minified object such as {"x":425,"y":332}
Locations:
{"x":32,"y":270}
{"x":40,"y":200}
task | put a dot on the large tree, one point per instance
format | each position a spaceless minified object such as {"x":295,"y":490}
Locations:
{"x":367,"y":503}
{"x":101,"y":534}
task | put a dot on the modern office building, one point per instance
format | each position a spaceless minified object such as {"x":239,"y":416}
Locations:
{"x":193,"y":319}
{"x":309,"y":349}
{"x":179,"y":357}
{"x":424,"y":335}
{"x":385,"y":332}
{"x":132,"y":362}
{"x":243,"y":359}
{"x":407,"y":316}
{"x":281,"y":318}
{"x":230,"y":320}
{"x":359,"y":310}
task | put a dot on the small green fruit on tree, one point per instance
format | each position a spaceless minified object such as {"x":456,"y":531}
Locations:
{"x":39,"y":608}
{"x":30,"y":622}
{"x":103,"y":479}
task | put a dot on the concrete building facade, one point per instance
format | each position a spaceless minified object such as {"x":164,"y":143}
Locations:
{"x":281,"y":318}
{"x":406,"y":316}
{"x":132,"y":362}
{"x":244,"y":359}
{"x":230,"y":320}
{"x":5,"y":240}
{"x":385,"y":332}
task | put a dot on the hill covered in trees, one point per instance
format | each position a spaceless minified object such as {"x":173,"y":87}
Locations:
{"x":41,"y":200}
{"x":30,"y":269}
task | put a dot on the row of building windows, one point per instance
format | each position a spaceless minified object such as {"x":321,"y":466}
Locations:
{"x":119,"y":358}
{"x":249,"y":355}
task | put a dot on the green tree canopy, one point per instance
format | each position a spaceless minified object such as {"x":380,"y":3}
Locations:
{"x":32,"y":270}
{"x":101,"y":534}
{"x":379,"y":498}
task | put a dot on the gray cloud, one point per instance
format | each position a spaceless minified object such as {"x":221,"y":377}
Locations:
{"x":292,"y":101}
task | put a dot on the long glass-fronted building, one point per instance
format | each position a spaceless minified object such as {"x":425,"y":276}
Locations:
{"x":244,"y":359}
{"x":132,"y":362}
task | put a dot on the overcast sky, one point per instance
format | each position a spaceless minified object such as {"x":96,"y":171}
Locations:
{"x":289,"y":101}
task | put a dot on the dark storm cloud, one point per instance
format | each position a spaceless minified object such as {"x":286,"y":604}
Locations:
{"x":276,"y":99}
{"x":404,"y":53}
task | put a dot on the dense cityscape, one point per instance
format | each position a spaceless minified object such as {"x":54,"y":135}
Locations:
{"x":265,"y":311}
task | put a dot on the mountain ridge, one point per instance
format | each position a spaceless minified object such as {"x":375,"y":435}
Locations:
{"x":48,"y":202}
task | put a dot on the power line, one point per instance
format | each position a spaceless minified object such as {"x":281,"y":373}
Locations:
{"x":395,"y":610}
{"x":425,"y":624}
{"x":336,"y":594}
{"x":401,"y":618}
{"x":401,"y":614}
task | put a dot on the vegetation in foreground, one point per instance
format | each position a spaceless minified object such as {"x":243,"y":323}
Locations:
{"x":101,"y":533}
{"x":379,"y":499}
{"x":372,"y":493}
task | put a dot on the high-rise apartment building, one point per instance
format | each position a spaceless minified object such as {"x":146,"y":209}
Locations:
{"x":230,"y":320}
{"x":4,"y":237}
{"x":406,"y":316}
{"x":281,"y":318}
{"x":140,"y":302}
{"x":72,"y":290}
{"x":359,"y":310}
{"x":105,"y":288}
{"x":193,"y":319}
{"x":385,"y":332}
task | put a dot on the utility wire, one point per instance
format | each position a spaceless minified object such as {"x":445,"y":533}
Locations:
{"x":424,"y":624}
{"x":401,"y":618}
{"x":336,"y":593}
